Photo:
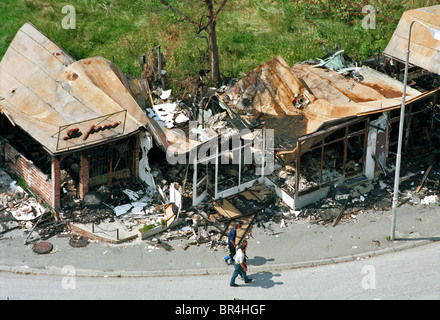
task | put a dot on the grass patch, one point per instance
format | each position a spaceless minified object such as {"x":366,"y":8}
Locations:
{"x":148,"y":227}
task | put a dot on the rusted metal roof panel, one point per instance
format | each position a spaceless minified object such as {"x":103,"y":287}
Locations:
{"x":62,"y":103}
{"x":66,"y":104}
{"x":270,"y":89}
{"x":339,"y":96}
{"x":271,"y":93}
{"x":299,"y":100}
{"x":424,"y":49}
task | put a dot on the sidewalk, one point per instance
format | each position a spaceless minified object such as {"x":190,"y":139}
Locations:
{"x":298,"y":244}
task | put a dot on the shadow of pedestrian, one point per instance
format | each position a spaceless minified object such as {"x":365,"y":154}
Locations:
{"x":258,"y":261}
{"x":264,"y":279}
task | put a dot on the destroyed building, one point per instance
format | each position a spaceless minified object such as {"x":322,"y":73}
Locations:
{"x":293,"y":132}
{"x":336,"y":123}
{"x":70,"y":125}
{"x":329,"y":127}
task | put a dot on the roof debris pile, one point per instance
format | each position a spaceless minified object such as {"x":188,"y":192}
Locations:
{"x":336,"y":60}
{"x":209,"y":115}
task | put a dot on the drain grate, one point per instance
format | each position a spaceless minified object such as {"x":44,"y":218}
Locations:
{"x":42,"y":247}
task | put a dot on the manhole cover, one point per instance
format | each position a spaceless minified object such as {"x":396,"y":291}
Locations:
{"x":42,"y":247}
{"x":78,"y":241}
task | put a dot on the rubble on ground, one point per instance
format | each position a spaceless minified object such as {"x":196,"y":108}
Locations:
{"x":19,"y":208}
{"x":136,"y":205}
{"x":377,"y":195}
{"x":140,"y":208}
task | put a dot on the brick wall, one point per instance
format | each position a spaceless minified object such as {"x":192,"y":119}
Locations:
{"x":48,"y":185}
{"x":56,"y":183}
{"x":36,"y":180}
{"x":83,"y":175}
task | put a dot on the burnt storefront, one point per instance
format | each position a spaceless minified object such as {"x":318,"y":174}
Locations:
{"x":66,"y":126}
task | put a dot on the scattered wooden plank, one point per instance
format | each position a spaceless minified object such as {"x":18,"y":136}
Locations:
{"x":424,"y":178}
{"x":341,"y":213}
{"x":226,"y":209}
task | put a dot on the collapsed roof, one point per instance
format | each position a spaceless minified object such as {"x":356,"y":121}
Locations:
{"x":58,"y":100}
{"x":300,"y":100}
{"x":425,"y":50}
{"x":66,"y":104}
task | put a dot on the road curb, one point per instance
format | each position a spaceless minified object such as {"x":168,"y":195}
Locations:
{"x":57,"y":271}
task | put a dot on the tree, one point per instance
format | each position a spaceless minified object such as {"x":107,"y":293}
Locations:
{"x":209,"y":27}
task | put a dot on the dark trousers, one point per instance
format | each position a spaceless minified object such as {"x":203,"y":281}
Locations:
{"x":232,"y":252}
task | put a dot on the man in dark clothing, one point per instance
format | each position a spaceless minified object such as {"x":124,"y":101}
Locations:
{"x":231,"y":243}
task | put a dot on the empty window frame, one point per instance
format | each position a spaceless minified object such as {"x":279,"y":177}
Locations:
{"x":112,"y":162}
{"x":339,"y":152}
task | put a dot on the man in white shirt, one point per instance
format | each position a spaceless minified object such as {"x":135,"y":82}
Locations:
{"x":240,"y":266}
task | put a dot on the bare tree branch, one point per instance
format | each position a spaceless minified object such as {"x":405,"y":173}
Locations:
{"x":220,"y":8}
{"x":198,"y":24}
{"x":209,"y":28}
{"x":180,"y":13}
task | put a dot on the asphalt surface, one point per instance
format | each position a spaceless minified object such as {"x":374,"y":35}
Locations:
{"x":407,"y":274}
{"x":271,"y":247}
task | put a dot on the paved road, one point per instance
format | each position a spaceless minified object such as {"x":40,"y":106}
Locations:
{"x":271,"y":247}
{"x":409,"y":274}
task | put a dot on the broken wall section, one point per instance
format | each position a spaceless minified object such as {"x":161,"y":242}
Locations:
{"x":145,"y":144}
{"x":35,"y":179}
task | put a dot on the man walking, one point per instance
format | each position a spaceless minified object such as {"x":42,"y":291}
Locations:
{"x":231,"y":242}
{"x":240,"y":266}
